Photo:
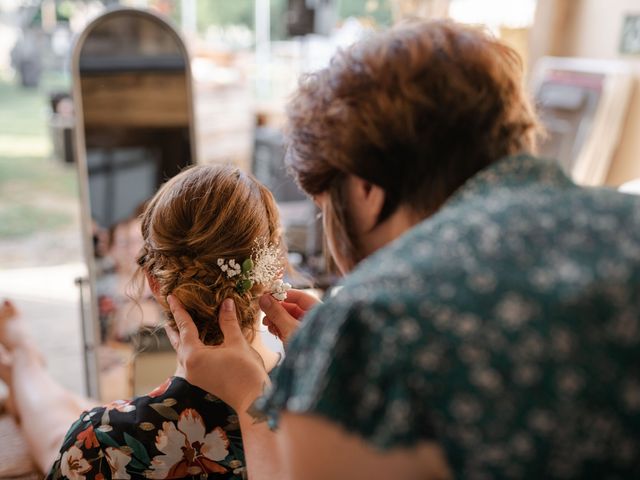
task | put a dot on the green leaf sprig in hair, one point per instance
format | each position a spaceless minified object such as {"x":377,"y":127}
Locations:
{"x":264,"y":267}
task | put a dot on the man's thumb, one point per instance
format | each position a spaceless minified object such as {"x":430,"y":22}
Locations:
{"x":229,"y":323}
{"x":277,"y":314}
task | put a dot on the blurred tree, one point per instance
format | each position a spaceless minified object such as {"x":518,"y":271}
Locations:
{"x":379,"y":11}
{"x":241,"y":12}
{"x":224,"y":12}
{"x":278,"y":19}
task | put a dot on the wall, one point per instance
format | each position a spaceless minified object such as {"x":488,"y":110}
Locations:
{"x":592,"y":28}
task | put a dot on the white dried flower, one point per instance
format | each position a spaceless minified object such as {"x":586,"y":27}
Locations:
{"x":279,"y":289}
{"x":267,"y":263}
{"x":264,"y":267}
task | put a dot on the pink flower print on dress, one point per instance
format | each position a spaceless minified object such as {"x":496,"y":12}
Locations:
{"x":73,"y":464}
{"x":118,"y":461}
{"x":187,"y":448}
{"x":160,"y":389}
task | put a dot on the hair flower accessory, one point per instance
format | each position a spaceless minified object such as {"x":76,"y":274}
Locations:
{"x":279,"y":289}
{"x":231,"y":269}
{"x":264,"y":267}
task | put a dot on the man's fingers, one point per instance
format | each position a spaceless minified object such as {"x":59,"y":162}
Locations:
{"x":273,"y":330}
{"x":278,"y":315}
{"x":303,"y":299}
{"x":173,"y":336}
{"x":293,"y":309}
{"x":229,"y":323}
{"x":186,"y":328}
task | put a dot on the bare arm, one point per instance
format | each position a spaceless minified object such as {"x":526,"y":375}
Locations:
{"x":283,"y":318}
{"x":262,"y":450}
{"x":240,"y":377}
{"x":305,"y":446}
{"x":317,"y":449}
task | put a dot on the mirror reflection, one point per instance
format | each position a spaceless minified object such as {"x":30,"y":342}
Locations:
{"x":132,"y":89}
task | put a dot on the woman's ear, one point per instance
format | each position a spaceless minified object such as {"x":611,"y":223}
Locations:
{"x":153,"y":283}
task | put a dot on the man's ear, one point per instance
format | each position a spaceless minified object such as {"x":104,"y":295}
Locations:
{"x":366,"y":200}
{"x":153,"y":283}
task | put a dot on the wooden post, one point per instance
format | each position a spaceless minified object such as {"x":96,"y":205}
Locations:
{"x":427,"y":9}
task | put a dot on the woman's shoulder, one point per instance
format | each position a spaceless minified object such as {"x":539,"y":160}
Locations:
{"x":341,"y":362}
{"x":169,"y":433}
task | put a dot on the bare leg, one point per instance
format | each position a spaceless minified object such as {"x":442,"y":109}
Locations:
{"x":44,"y":408}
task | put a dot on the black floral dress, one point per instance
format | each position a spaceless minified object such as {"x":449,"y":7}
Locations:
{"x":176,"y":431}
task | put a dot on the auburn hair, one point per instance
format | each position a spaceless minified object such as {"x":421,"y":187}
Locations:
{"x":202,"y":214}
{"x":416,"y":110}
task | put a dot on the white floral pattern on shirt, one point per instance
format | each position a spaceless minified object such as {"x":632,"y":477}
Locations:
{"x":506,"y":326}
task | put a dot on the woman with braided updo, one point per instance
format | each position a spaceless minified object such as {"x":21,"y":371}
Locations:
{"x":200,"y":216}
{"x":210,"y":233}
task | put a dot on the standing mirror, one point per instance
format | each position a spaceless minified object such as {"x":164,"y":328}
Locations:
{"x":133,"y":99}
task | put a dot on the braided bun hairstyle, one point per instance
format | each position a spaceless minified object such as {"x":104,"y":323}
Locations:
{"x":205,"y":213}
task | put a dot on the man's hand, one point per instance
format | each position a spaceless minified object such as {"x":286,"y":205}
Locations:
{"x":283,"y":318}
{"x":232,"y":371}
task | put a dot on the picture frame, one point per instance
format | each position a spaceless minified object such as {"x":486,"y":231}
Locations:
{"x":630,"y":36}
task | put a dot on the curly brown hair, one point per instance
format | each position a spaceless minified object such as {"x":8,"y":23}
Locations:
{"x":205,"y":213}
{"x":416,"y":110}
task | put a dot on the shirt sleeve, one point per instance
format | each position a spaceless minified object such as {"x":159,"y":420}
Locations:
{"x":352,"y":363}
{"x":81,"y":454}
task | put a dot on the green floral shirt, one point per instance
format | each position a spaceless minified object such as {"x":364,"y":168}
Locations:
{"x":176,"y":431}
{"x":506,"y":327}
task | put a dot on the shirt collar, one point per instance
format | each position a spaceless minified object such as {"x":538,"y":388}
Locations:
{"x":512,"y":172}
